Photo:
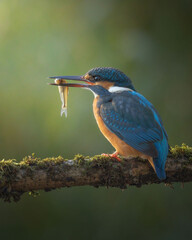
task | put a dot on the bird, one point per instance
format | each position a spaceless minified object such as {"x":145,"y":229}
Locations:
{"x":125,"y":117}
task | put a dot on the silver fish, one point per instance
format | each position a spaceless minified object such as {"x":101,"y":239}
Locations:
{"x":63,"y":91}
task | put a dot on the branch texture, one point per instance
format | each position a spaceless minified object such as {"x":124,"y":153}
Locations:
{"x":32,"y":173}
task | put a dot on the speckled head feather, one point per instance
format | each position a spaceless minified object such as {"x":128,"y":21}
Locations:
{"x":112,"y":75}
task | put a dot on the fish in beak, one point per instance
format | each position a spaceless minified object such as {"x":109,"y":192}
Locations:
{"x":63,"y":88}
{"x":63,"y":92}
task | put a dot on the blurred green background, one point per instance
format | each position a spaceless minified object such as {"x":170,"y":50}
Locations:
{"x":151,"y":42}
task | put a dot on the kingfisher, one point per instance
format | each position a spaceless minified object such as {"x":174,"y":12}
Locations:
{"x":125,"y":117}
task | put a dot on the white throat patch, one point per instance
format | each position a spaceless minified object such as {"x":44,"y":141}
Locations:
{"x":118,"y":89}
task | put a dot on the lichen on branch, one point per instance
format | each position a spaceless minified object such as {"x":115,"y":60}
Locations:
{"x":32,"y":173}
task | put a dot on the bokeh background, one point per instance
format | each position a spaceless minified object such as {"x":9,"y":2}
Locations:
{"x":151,"y":42}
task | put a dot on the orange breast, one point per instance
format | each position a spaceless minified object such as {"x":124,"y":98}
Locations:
{"x":120,"y":146}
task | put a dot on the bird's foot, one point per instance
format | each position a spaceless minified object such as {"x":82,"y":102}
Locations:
{"x":113,"y":155}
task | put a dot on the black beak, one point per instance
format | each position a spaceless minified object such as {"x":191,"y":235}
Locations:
{"x":76,"y":78}
{"x":70,"y":85}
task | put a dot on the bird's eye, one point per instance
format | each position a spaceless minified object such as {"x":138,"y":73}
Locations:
{"x":96,"y":78}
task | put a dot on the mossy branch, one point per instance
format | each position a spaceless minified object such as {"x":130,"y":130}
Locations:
{"x":32,"y":173}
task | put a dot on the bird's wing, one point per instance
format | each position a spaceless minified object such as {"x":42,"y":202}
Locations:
{"x":130,"y":116}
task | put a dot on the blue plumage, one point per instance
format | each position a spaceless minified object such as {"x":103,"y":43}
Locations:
{"x":134,"y":120}
{"x":111,"y":75}
{"x":125,"y":116}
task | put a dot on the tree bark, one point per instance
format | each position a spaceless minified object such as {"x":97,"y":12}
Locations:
{"x":32,"y":174}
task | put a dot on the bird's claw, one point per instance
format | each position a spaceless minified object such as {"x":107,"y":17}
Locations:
{"x":113,"y":155}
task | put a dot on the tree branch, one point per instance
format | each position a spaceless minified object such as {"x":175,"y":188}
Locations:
{"x":32,"y":174}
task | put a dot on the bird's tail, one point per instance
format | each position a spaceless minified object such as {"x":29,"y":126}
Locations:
{"x":160,"y":171}
{"x":159,"y":162}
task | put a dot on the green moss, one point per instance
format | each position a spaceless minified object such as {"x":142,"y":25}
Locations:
{"x":181,"y":151}
{"x":100,"y":158}
{"x":34,"y":193}
{"x":80,"y":159}
{"x":10,"y":169}
{"x":112,"y":169}
{"x":113,"y":175}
